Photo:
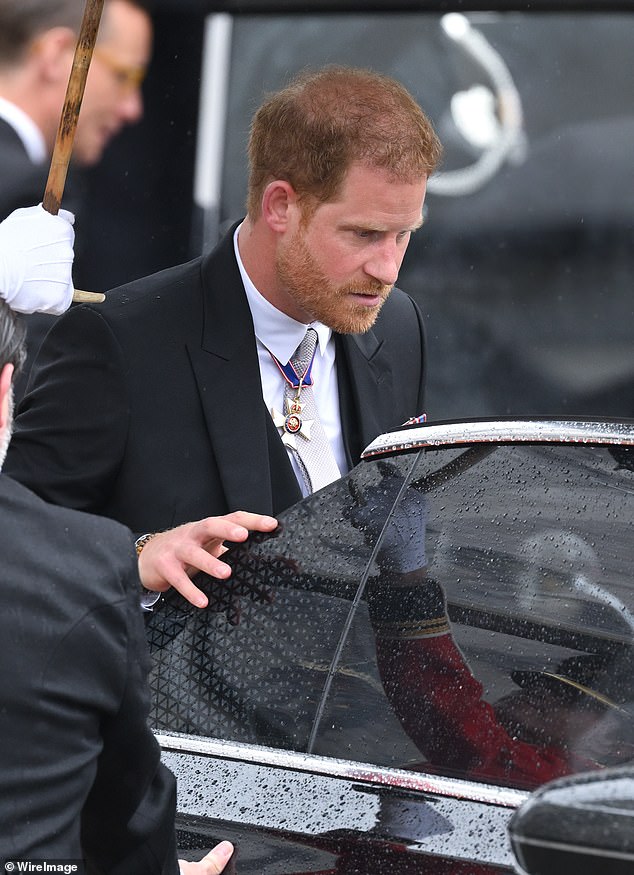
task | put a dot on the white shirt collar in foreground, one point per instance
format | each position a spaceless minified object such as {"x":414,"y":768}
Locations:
{"x":26,"y":129}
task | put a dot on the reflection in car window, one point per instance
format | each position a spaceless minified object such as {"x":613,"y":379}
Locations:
{"x":466,"y":611}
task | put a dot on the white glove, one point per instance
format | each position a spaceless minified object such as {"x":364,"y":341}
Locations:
{"x":36,"y":260}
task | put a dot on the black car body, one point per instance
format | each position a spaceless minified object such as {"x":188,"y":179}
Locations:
{"x":418,"y":646}
{"x":578,"y":824}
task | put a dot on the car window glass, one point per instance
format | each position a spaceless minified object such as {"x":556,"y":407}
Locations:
{"x":466,"y":612}
{"x":254,"y":666}
{"x":504,"y":644}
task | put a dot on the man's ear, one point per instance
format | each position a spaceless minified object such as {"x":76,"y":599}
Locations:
{"x":53,"y":51}
{"x":6,"y":376}
{"x":278,"y":204}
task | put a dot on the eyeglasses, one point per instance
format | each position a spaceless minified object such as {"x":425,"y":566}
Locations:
{"x":128,"y":78}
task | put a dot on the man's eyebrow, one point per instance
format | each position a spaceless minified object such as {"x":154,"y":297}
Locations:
{"x":413,"y":228}
{"x":362,"y":226}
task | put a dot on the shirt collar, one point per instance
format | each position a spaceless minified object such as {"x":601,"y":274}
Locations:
{"x":279,"y":333}
{"x":26,"y":129}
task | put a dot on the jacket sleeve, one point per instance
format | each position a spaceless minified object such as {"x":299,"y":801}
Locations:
{"x":436,"y":697}
{"x":71,"y":427}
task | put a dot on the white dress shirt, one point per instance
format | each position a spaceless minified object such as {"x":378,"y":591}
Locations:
{"x":277,"y":333}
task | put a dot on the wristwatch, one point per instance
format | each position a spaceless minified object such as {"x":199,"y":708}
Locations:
{"x":148,"y":597}
{"x":143,"y":540}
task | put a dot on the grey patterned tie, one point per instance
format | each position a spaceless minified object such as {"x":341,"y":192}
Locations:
{"x":302,"y":430}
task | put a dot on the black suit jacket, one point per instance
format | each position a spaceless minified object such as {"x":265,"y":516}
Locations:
{"x":80,"y":772}
{"x":148,"y":408}
{"x":22,"y":182}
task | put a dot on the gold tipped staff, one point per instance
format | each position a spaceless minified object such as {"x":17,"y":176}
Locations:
{"x":68,"y":121}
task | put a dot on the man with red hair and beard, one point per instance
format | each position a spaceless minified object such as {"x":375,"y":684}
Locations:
{"x":166,"y":403}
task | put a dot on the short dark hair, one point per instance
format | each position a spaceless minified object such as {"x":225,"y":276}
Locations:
{"x":21,"y":21}
{"x":12,"y":338}
{"x":310,"y":132}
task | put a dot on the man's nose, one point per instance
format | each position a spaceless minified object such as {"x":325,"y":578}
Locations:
{"x":385,"y":263}
{"x":131,"y":106}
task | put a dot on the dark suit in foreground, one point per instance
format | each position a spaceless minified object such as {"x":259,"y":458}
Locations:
{"x":148,"y":408}
{"x":80,"y":772}
{"x":22,"y":182}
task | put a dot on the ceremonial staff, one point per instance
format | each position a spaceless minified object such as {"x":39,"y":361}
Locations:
{"x":68,"y":121}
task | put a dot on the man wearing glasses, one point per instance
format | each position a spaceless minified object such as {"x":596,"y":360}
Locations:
{"x":37,"y":45}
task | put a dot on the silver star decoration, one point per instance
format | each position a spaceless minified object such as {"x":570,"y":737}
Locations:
{"x":287,"y":438}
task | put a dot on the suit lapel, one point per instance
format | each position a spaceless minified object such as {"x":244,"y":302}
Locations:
{"x":227,"y":373}
{"x":364,"y":376}
{"x":252,"y":463}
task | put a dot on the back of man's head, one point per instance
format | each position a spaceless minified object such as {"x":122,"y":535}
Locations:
{"x":12,"y":355}
{"x":21,"y":21}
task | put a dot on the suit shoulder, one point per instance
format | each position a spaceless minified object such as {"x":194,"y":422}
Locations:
{"x":399,"y":302}
{"x":69,"y":544}
{"x":400,"y":314}
{"x":134,"y":315}
{"x":170,"y":289}
{"x":170,"y":297}
{"x":21,"y":184}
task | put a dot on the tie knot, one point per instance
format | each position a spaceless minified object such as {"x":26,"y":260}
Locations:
{"x":304,"y":353}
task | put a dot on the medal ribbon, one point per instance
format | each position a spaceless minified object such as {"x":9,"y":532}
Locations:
{"x":290,"y":374}
{"x":292,"y":419}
